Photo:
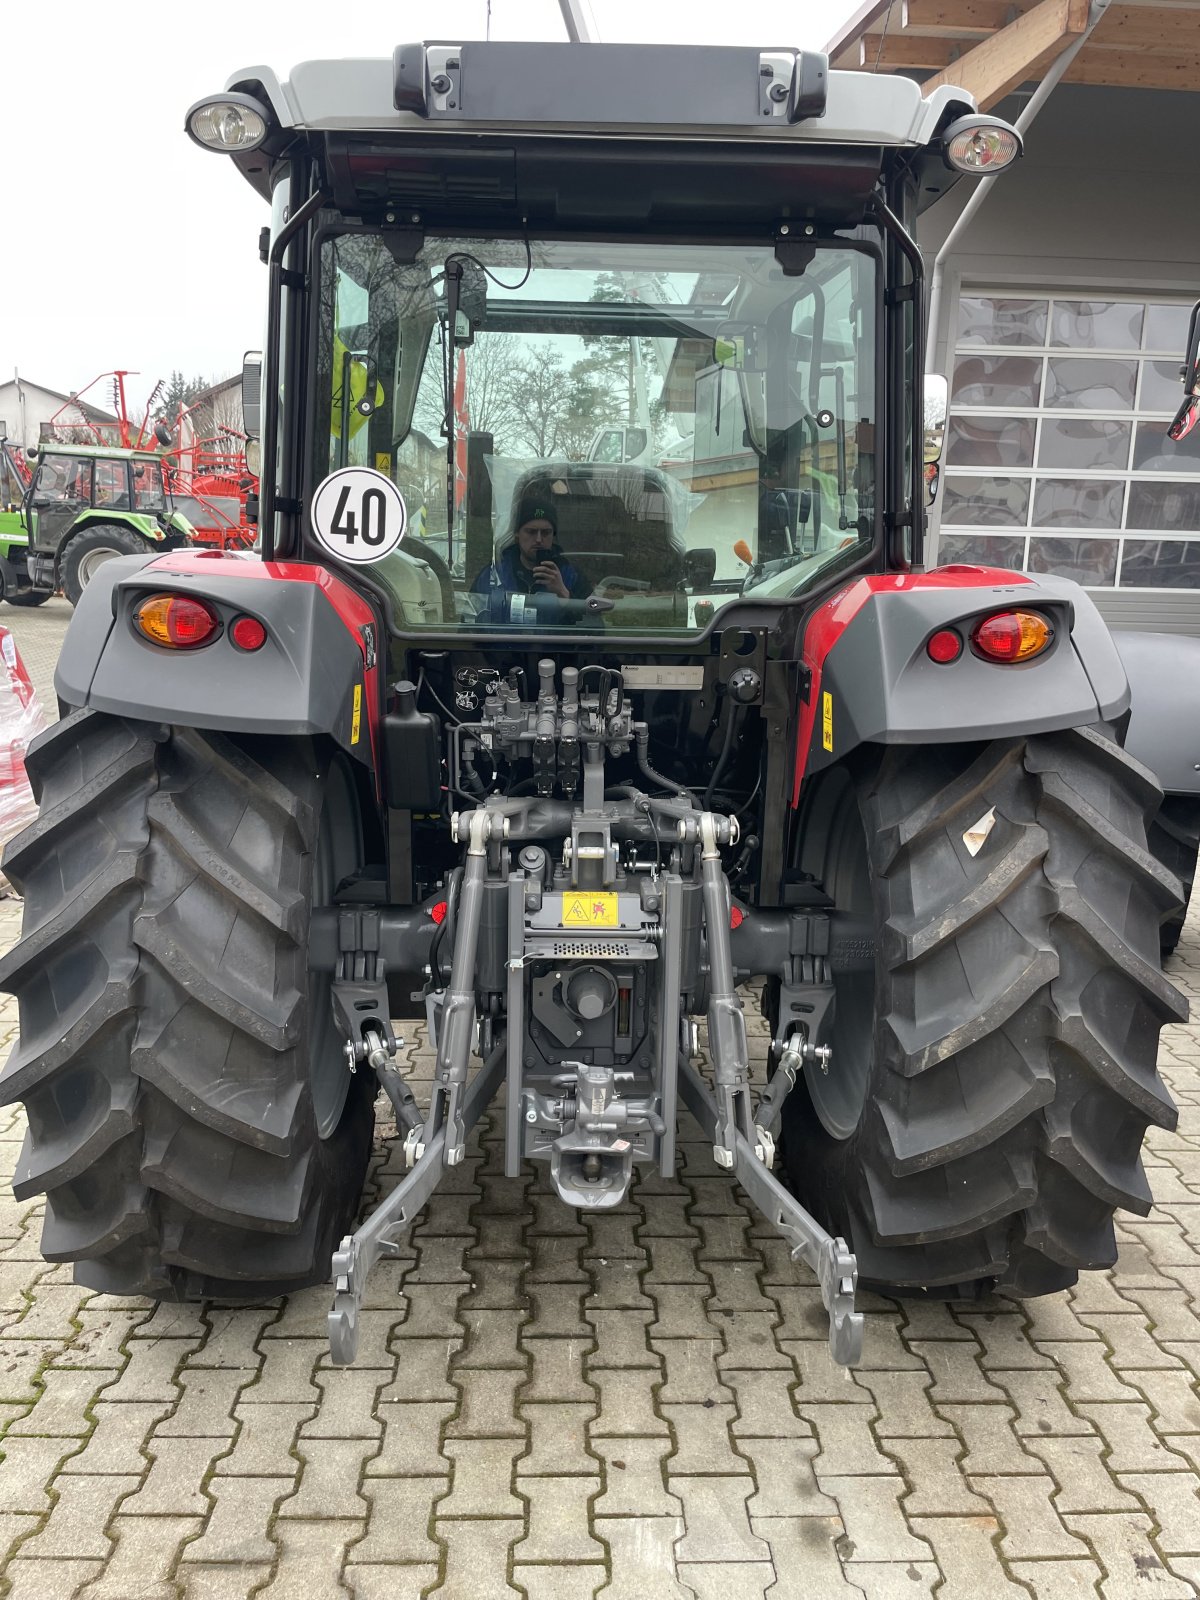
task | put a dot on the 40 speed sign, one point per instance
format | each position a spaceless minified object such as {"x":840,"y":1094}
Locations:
{"x":359,"y":515}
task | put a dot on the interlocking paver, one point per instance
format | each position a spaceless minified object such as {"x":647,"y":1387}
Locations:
{"x":398,"y":1522}
{"x":642,"y":1558}
{"x":786,"y":1482}
{"x":27,"y":1468}
{"x":875,"y":1526}
{"x":329,"y":1479}
{"x":477,"y":1559}
{"x":1032,"y":1526}
{"x":265,"y":1440}
{"x":236,"y":1529}
{"x":558,"y":1521}
{"x":966,"y":1553}
{"x":557,"y":1370}
{"x":311,"y":1557}
{"x":145,"y":1554}
{"x":1083,"y":1482}
{"x":223,"y":1583}
{"x":806,"y":1559}
{"x":481,"y":1478}
{"x":1132,"y":1565}
{"x":49,"y":1580}
{"x":626,"y":1404}
{"x":1059,"y":1580}
{"x":1174,"y":1502}
{"x":75,"y":1527}
{"x":702,"y":1439}
{"x":635,"y":1479}
{"x":715,"y":1517}
{"x":412,"y":1433}
{"x":691,"y":1376}
{"x":847,"y":1442}
{"x":557,"y":1440}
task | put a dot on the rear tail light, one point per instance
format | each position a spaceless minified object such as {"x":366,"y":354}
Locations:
{"x":1010,"y":636}
{"x":176,"y":621}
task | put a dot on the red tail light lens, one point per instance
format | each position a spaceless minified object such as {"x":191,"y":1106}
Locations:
{"x":736,"y":917}
{"x":248,"y":633}
{"x":176,"y":621}
{"x":945,"y":646}
{"x":438,"y":911}
{"x":1012,"y":636}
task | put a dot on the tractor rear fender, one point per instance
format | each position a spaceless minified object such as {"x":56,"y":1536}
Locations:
{"x":869,"y":678}
{"x":318,"y":671}
{"x":1164,"y":715}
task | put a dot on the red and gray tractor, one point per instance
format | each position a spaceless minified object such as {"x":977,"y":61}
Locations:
{"x":578,"y":761}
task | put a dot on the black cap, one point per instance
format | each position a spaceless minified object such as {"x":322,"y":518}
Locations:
{"x":535,"y":509}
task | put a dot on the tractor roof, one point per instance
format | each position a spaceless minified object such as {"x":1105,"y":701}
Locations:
{"x":766,"y":107}
{"x":106,"y":452}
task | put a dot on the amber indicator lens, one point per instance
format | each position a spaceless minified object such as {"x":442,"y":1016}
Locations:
{"x":1012,"y":636}
{"x":248,"y":633}
{"x":945,"y":646}
{"x":177,"y":622}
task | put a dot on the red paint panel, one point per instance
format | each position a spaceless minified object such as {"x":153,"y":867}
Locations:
{"x":831,"y":620}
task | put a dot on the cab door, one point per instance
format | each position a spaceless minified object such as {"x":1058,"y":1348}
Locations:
{"x":62,"y":490}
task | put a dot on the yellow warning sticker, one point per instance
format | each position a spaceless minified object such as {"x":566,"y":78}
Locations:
{"x":356,"y":715}
{"x":827,"y":721}
{"x":589,"y":911}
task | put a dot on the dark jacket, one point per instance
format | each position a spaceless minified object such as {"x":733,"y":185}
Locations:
{"x":507,"y":573}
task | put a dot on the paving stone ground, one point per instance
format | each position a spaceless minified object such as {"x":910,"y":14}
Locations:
{"x":639,"y":1405}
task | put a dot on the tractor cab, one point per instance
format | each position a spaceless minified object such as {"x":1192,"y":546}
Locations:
{"x":86,"y":504}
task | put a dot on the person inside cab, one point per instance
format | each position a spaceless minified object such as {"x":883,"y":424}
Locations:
{"x":533,"y":563}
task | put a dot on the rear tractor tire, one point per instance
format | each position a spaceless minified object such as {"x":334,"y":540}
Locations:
{"x":999,"y":1000}
{"x":88,"y":549}
{"x":192,"y":1123}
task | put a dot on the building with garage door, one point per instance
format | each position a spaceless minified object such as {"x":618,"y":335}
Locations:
{"x":1060,"y":295}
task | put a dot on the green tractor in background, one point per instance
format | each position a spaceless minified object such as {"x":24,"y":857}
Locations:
{"x":66,"y":508}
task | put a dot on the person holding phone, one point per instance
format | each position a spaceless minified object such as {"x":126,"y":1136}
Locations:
{"x":534,"y":562}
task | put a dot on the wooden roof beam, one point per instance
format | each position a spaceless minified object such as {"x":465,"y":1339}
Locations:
{"x":1021,"y":50}
{"x":1134,"y":71}
{"x":901,"y":51}
{"x":957,"y":19}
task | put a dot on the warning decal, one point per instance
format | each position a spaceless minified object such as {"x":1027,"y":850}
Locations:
{"x":589,"y":910}
{"x":356,"y":714}
{"x":827,"y":721}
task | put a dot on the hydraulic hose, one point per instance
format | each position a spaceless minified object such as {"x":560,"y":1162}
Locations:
{"x":731,"y":727}
{"x":642,"y":736}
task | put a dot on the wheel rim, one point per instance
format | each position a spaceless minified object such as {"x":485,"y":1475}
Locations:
{"x":92,"y":560}
{"x":840,"y":1094}
{"x":338,"y":855}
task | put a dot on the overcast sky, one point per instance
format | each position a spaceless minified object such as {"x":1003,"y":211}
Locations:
{"x":126,"y":245}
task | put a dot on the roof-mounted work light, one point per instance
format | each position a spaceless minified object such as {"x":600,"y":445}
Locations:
{"x":231,"y":123}
{"x":981,"y":145}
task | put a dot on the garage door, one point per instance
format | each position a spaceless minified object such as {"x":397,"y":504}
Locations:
{"x":1056,"y":456}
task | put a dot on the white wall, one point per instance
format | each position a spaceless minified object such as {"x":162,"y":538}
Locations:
{"x":24,"y":407}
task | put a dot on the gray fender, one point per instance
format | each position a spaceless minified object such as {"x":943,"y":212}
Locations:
{"x":883,"y":688}
{"x":1164,"y":715}
{"x":317,"y":672}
